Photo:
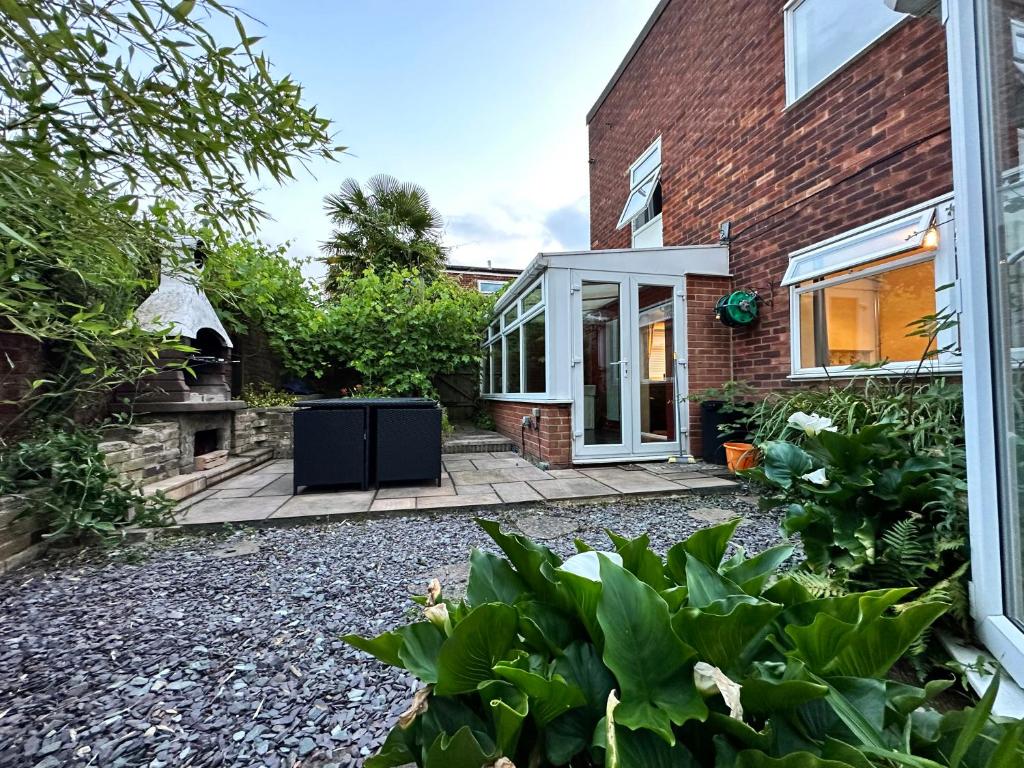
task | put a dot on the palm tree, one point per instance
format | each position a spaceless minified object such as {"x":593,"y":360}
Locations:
{"x":388,"y":225}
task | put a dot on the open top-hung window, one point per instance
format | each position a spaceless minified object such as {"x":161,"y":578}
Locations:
{"x":857,"y":299}
{"x":642,"y":211}
{"x":822,"y":36}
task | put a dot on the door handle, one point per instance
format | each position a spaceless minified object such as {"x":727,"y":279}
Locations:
{"x":625,"y":366}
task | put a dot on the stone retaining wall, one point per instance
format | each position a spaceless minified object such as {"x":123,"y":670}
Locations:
{"x":144,"y":452}
{"x":256,"y":428}
{"x":20,"y":538}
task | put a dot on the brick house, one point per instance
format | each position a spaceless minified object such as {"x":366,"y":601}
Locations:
{"x":484,"y":279}
{"x":799,"y":151}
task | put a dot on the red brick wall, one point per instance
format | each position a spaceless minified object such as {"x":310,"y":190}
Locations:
{"x":709,"y":345}
{"x":710,"y":80}
{"x":22,"y":361}
{"x":551,"y":443}
{"x":469,"y":279}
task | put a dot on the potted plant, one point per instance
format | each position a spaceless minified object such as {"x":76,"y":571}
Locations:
{"x":724,"y":417}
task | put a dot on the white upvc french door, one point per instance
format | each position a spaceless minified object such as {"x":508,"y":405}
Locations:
{"x":628,"y":365}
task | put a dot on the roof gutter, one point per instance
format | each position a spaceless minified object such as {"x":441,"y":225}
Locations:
{"x":628,"y":58}
{"x":533,"y":269}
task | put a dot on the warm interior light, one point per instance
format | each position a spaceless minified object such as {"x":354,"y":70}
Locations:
{"x":931,"y":238}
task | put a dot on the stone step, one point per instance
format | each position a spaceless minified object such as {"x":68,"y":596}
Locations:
{"x":182,"y":486}
{"x":475,"y":444}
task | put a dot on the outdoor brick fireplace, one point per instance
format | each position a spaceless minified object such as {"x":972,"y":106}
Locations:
{"x":190,"y":389}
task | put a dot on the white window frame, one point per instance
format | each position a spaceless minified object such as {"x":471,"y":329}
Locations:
{"x":1003,"y":638}
{"x":792,"y":96}
{"x":634,"y":184}
{"x":501,"y":337}
{"x":937,"y":212}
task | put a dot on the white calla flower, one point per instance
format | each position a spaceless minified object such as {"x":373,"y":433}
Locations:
{"x":811,"y":425}
{"x":817,"y":477}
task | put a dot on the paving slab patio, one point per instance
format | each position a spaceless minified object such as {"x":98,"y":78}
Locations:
{"x":264,"y":494}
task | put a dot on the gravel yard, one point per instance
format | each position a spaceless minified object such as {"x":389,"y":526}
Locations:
{"x":225,"y":650}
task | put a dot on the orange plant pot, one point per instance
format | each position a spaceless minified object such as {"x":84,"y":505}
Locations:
{"x":739,"y":456}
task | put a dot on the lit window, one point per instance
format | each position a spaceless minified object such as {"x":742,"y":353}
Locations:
{"x":822,"y":36}
{"x":643,"y":204}
{"x":856,"y":298}
{"x":489,"y":286}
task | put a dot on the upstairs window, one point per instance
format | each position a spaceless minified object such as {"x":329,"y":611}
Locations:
{"x":642,"y":211}
{"x":822,"y":36}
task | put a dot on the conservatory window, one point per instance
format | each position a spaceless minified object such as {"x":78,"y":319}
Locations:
{"x":856,"y":298}
{"x":533,"y":353}
{"x":822,"y":36}
{"x":644,"y":186}
{"x":515,"y":347}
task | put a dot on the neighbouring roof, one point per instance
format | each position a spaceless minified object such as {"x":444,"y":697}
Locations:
{"x":482,"y":270}
{"x":628,"y":58}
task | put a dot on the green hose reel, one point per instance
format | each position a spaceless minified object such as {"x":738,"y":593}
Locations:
{"x":739,"y":309}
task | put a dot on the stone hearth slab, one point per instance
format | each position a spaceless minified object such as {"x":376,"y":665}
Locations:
{"x":231,"y":510}
{"x":625,"y":481}
{"x":571,"y":488}
{"x":319,"y":504}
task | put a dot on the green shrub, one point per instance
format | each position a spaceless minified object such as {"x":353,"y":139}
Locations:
{"x":263,"y":395}
{"x":64,"y":473}
{"x":869,"y":509}
{"x":400,"y":330}
{"x":628,"y":660}
{"x":927,"y":415}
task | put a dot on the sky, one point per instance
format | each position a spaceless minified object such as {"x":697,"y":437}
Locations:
{"x":481,"y":102}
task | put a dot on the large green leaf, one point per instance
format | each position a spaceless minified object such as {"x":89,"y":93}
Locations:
{"x":874,"y":647}
{"x":707,"y":545}
{"x":638,"y":559}
{"x":544,"y":628}
{"x":568,"y":735}
{"x":478,"y":642}
{"x":705,"y":585}
{"x":974,"y":724}
{"x":383,"y":647}
{"x":509,"y":707}
{"x":421,"y":646}
{"x":492,"y":580}
{"x":784,"y":462}
{"x":653,"y":667}
{"x":751,"y":574}
{"x":581,"y":665}
{"x":643,"y":749}
{"x":580,"y":578}
{"x":722,"y":631}
{"x":550,"y":695}
{"x":766,"y":697}
{"x":755,"y":759}
{"x":461,"y":750}
{"x":527,"y":557}
{"x":397,"y":750}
